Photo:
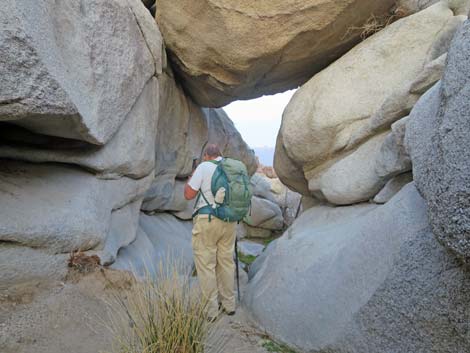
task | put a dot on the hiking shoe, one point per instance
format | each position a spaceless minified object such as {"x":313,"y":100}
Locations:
{"x":211,"y":319}
{"x":223,"y":310}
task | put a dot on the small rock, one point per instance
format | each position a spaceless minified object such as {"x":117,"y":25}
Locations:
{"x":392,"y":187}
{"x":250,"y":248}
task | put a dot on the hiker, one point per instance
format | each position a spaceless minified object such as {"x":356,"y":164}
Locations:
{"x":223,"y":193}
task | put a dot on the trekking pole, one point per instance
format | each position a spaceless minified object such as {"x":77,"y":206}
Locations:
{"x":237,"y":270}
{"x":298,"y":209}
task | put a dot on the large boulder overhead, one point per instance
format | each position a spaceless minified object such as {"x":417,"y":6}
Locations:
{"x":244,"y":49}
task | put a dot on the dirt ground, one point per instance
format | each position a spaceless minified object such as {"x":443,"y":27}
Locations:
{"x":241,"y":336}
{"x":70,"y":317}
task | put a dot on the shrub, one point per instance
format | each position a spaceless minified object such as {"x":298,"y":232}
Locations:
{"x":246,"y":259}
{"x":376,"y":23}
{"x":82,"y":262}
{"x":272,"y":346}
{"x":161,"y":315}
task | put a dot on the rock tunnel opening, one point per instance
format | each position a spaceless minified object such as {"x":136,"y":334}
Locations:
{"x":374,"y":140}
{"x":259,"y":121}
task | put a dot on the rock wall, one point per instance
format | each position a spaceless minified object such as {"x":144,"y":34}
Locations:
{"x":79,"y":108}
{"x":353,"y":279}
{"x":93,"y":129}
{"x":437,"y":138}
{"x":78,"y":81}
{"x":161,"y":240}
{"x":273,"y":208}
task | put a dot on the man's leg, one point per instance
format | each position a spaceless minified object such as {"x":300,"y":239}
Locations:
{"x":205,"y":255}
{"x":225,"y":268}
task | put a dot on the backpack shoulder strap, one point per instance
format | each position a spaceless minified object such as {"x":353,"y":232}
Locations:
{"x":200,"y":193}
{"x":204,"y":197}
{"x":213,"y":161}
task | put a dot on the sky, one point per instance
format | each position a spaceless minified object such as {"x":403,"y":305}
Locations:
{"x":258,"y":120}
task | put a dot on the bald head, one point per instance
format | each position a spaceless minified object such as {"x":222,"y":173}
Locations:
{"x":212,"y":151}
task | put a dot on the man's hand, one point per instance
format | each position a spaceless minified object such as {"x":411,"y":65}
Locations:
{"x":195,"y":164}
{"x":189,"y":192}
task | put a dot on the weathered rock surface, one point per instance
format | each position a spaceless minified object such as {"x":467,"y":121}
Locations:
{"x":250,"y":248}
{"x":437,"y":139}
{"x":61,"y":208}
{"x":273,"y":190}
{"x":360,"y":175}
{"x":299,"y":38}
{"x":256,"y":232}
{"x":241,"y":231}
{"x":460,"y":7}
{"x":151,"y":32}
{"x":288,"y":200}
{"x":289,"y":172}
{"x":393,"y":158}
{"x":392,"y":187}
{"x":373,"y":81}
{"x":130,"y":152}
{"x":69,"y":73}
{"x":264,"y":214}
{"x":187,"y":213}
{"x":166,"y":194}
{"x":324,"y":216}
{"x":22,"y":264}
{"x":362,"y":282}
{"x":431,"y":73}
{"x":123,"y":228}
{"x":273,"y":206}
{"x":161,"y":240}
{"x":261,"y":187}
{"x":352,"y":179}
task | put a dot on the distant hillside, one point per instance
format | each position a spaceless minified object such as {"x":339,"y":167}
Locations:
{"x":265,"y":155}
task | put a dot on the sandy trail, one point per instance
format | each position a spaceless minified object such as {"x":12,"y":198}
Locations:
{"x":60,"y":317}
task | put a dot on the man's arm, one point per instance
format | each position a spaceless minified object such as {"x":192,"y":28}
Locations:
{"x":189,"y":192}
{"x":193,"y":185}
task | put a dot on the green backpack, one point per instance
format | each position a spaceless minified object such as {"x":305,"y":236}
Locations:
{"x":232,"y":175}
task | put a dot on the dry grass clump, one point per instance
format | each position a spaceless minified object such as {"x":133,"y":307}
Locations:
{"x":375,"y":24}
{"x":161,"y":315}
{"x":82,"y":262}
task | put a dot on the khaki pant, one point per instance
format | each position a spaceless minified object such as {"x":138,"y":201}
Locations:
{"x":213,"y":248}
